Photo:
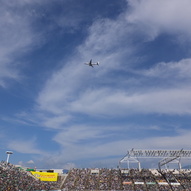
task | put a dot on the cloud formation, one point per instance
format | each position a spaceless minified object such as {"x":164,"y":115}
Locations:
{"x":157,"y":17}
{"x":162,"y":88}
{"x":81,"y":105}
{"x":25,"y":146}
{"x":16,"y":36}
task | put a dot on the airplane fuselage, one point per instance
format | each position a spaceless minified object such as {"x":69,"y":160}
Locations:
{"x":90,"y":63}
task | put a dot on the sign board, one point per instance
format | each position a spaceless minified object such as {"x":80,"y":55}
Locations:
{"x":45,"y":176}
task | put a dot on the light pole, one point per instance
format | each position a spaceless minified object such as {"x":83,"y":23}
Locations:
{"x":8,"y":154}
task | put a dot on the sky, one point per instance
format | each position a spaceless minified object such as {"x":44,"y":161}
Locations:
{"x":57,"y":112}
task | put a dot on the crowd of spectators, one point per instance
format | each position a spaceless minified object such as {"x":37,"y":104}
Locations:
{"x":184,"y":178}
{"x":16,"y":179}
{"x":127,"y":179}
{"x":177,"y":180}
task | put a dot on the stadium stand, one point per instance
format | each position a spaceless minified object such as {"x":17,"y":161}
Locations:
{"x":128,"y":179}
{"x":16,"y":179}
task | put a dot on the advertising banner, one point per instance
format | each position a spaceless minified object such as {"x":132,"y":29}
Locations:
{"x":45,"y":176}
{"x":125,"y":182}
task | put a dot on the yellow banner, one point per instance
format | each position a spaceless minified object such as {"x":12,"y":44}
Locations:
{"x":45,"y":176}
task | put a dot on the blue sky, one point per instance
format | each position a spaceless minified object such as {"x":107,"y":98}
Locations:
{"x":56,"y":112}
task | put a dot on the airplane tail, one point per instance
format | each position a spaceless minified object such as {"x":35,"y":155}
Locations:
{"x":98,"y":63}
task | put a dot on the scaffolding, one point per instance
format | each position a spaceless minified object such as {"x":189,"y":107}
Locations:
{"x":168,"y":156}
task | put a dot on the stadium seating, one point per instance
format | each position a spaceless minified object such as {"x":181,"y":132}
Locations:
{"x":16,"y":179}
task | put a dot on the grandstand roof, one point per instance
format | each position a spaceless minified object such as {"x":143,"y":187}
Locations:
{"x":167,"y":156}
{"x":157,"y":153}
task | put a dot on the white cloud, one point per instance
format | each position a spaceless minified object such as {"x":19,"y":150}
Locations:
{"x":172,"y":70}
{"x":65,"y":85}
{"x":117,"y":148}
{"x":109,"y":103}
{"x":79,"y":89}
{"x":55,"y":122}
{"x":16,"y":36}
{"x":173,"y":99}
{"x":25,"y":146}
{"x":156,"y":17}
{"x":30,"y":162}
{"x":61,"y":88}
{"x":76,"y":88}
{"x":69,"y":166}
{"x":109,"y":41}
{"x":170,"y":142}
{"x":76,"y":134}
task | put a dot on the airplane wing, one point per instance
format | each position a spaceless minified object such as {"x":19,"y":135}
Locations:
{"x":91,"y":64}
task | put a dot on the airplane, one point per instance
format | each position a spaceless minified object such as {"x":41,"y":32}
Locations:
{"x":91,"y":64}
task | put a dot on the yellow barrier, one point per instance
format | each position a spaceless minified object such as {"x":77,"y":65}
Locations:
{"x":46,"y":176}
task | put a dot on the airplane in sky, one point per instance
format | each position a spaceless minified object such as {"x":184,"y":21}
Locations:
{"x":90,"y":63}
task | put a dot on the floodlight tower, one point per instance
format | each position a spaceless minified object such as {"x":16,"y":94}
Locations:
{"x":8,"y":155}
